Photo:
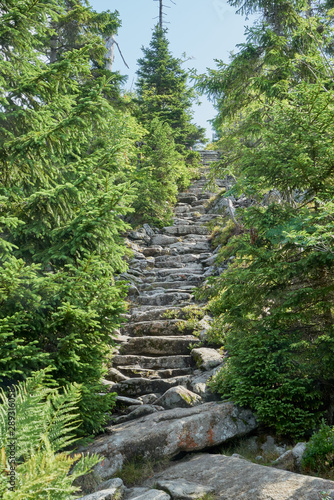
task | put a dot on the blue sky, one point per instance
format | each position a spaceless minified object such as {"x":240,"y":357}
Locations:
{"x":203,"y":29}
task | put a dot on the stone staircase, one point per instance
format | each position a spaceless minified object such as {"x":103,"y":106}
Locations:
{"x":155,"y":348}
{"x":209,"y":156}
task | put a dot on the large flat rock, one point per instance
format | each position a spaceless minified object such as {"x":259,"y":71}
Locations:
{"x":167,"y":433}
{"x":235,"y":478}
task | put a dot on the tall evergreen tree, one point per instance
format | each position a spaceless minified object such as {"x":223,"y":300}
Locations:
{"x":76,"y":26}
{"x":163,"y":92}
{"x":65,"y":154}
{"x":274,"y":305}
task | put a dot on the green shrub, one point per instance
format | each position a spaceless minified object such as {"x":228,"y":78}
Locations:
{"x":319,"y":453}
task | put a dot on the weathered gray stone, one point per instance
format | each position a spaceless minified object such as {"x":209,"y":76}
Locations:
{"x":155,"y":363}
{"x":167,"y":433}
{"x":285,"y":461}
{"x":186,"y":198}
{"x":115,"y":375}
{"x":181,"y":286}
{"x":291,"y":459}
{"x":135,"y":371}
{"x":154,"y":250}
{"x":131,"y":244}
{"x":181,"y":230}
{"x":139,"y":386}
{"x":159,"y":345}
{"x":168,"y":261}
{"x":198,"y":208}
{"x":128,"y":401}
{"x":182,"y":208}
{"x":177,"y":221}
{"x":206,"y":358}
{"x":116,"y":483}
{"x":138,"y":412}
{"x":198,"y":384}
{"x":157,"y":328}
{"x":298,"y":452}
{"x":149,"y":231}
{"x":161,"y":299}
{"x":139,"y":235}
{"x":163,"y":239}
{"x":133,"y":291}
{"x":190,"y":269}
{"x":146,"y":494}
{"x":149,"y":399}
{"x":191,"y":247}
{"x":270,"y":446}
{"x":108,"y":494}
{"x":235,"y":478}
{"x":137,"y":256}
{"x":184,"y":490}
{"x":156,"y":313}
{"x":179,"y":397}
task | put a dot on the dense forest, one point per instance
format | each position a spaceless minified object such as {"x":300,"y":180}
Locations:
{"x":274,"y":305}
{"x":82,"y":161}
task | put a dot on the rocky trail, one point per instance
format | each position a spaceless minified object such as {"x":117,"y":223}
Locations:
{"x":158,"y":349}
{"x":160,"y":374}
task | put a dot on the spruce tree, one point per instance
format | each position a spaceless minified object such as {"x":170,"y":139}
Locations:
{"x":163,"y":92}
{"x":65,"y":158}
{"x":161,"y":170}
{"x":274,"y":305}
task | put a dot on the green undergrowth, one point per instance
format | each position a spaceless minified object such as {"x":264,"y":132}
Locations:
{"x":188,"y":313}
{"x":135,"y":471}
{"x":222,"y":231}
{"x":318,"y":459}
{"x":243,"y":448}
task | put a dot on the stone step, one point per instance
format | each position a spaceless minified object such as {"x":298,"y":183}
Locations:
{"x":163,"y":240}
{"x":167,"y":327}
{"x":181,"y":286}
{"x":208,"y":217}
{"x":163,"y":299}
{"x":186,"y":229}
{"x":168,"y":271}
{"x":182,"y":208}
{"x":154,"y":313}
{"x":155,"y":250}
{"x":206,"y":196}
{"x":135,"y":371}
{"x":194,"y":237}
{"x":191,"y":247}
{"x":200,"y":209}
{"x":159,"y":346}
{"x":176,"y":260}
{"x":188,"y":279}
{"x":139,"y":386}
{"x":186,"y":198}
{"x":154,"y":363}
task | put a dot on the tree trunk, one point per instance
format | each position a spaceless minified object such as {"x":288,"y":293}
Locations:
{"x":110,"y":55}
{"x":160,"y":13}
